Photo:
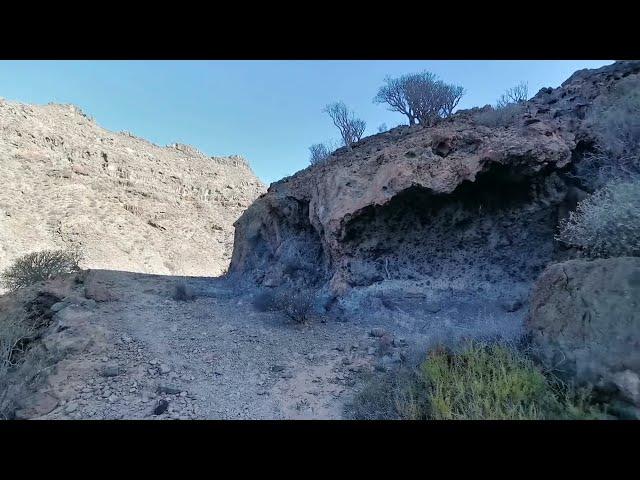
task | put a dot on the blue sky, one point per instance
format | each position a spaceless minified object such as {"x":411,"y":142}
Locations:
{"x":267,"y":111}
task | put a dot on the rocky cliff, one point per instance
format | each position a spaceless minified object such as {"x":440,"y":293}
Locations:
{"x":127,"y":203}
{"x":418,"y":226}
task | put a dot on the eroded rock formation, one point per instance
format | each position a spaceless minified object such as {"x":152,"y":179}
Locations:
{"x":424,"y":225}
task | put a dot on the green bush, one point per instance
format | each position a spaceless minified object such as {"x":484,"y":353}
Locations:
{"x":38,"y":266}
{"x":606,"y":223}
{"x":481,"y":382}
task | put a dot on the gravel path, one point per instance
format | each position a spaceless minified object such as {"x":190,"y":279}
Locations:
{"x":214,"y":357}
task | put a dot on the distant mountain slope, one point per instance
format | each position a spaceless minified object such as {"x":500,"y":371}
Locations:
{"x":129,"y":204}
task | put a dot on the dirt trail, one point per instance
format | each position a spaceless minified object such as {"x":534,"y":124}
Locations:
{"x":214,"y":357}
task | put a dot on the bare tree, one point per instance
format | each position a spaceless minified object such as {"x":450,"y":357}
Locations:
{"x":382,"y":128}
{"x":351,"y":128}
{"x":420,"y":96}
{"x":394,"y":93}
{"x":517,"y":94}
{"x":451,"y":96}
{"x":319,"y":153}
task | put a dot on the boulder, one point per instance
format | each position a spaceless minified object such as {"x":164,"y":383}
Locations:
{"x":585,"y":322}
{"x":36,"y":405}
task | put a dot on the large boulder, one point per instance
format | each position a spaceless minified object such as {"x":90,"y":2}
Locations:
{"x":585,"y":322}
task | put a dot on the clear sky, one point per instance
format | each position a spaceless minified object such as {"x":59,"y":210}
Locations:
{"x":266,"y":111}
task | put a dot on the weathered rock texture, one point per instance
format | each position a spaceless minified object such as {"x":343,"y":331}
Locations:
{"x":585,"y":319}
{"x":450,"y":221}
{"x":129,"y":204}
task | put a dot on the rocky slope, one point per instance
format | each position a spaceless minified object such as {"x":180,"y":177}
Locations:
{"x":439,"y":228}
{"x":127,"y":203}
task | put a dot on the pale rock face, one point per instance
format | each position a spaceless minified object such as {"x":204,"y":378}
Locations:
{"x":128,"y":204}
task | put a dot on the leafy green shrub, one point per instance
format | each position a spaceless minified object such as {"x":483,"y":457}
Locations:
{"x":494,"y":382}
{"x":38,"y":266}
{"x":481,"y":382}
{"x":606,"y":223}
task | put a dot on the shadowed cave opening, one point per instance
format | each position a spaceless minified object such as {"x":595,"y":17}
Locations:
{"x":498,"y":228}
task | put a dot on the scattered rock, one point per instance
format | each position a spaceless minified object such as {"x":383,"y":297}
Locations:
{"x":36,"y":405}
{"x":169,"y":389}
{"x":97,"y":292}
{"x":161,"y":407}
{"x":56,"y":307}
{"x":111,"y":371}
{"x":399,"y":342}
{"x":512,"y":305}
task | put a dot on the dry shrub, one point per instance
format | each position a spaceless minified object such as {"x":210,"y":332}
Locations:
{"x":615,"y":122}
{"x":39,"y":266}
{"x":297,"y":305}
{"x":606,"y":223}
{"x":501,"y":116}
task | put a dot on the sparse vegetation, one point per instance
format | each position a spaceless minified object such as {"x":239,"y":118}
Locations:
{"x":265,"y":301}
{"x":297,"y":305}
{"x":38,"y":266}
{"x":351,"y":128}
{"x":22,"y":365}
{"x":508,"y":108}
{"x":319,"y":153}
{"x":420,"y":96}
{"x":12,"y":337}
{"x":23,"y":360}
{"x":481,"y":382}
{"x":500,"y":117}
{"x":615,"y":120}
{"x":607,"y":223}
{"x":183,"y":293}
{"x":514,"y":95}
